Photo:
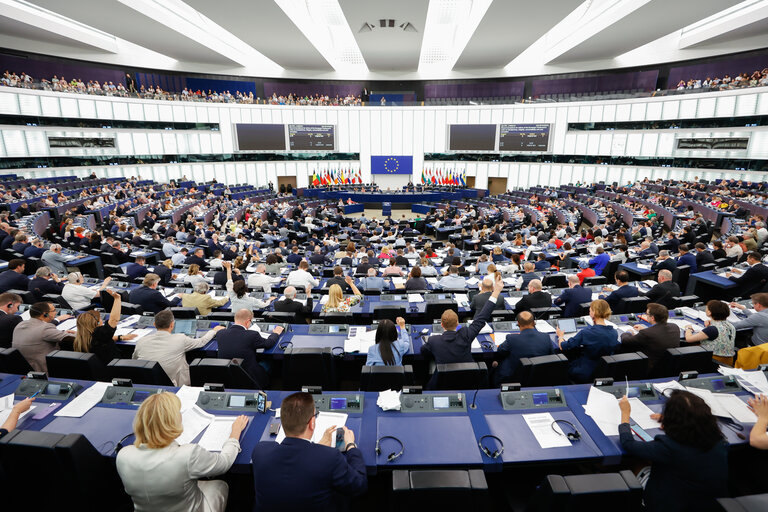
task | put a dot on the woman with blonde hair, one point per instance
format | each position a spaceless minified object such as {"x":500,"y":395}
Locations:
{"x":194,"y":276}
{"x":336,"y":301}
{"x":161,"y":475}
{"x":595,"y":341}
{"x":96,"y":337}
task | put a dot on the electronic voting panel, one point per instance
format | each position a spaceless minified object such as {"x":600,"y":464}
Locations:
{"x":128,"y":394}
{"x":236,"y":401}
{"x":644,"y":390}
{"x":339,"y":402}
{"x":532,"y":399}
{"x":715,"y":384}
{"x":47,"y":389}
{"x":433,"y":402}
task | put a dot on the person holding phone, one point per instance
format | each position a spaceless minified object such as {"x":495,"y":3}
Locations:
{"x":159,"y":474}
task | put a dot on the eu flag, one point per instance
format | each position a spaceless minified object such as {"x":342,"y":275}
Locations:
{"x":391,"y":164}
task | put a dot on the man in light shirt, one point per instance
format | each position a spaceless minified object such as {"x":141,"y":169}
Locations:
{"x":179,"y":258}
{"x":261,"y":280}
{"x":301,"y":278}
{"x":53,"y":259}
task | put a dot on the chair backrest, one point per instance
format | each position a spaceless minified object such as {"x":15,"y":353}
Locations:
{"x":603,"y":491}
{"x":555,"y":281}
{"x":685,"y":300}
{"x":182,"y":312}
{"x":546,"y":312}
{"x":434,"y":310}
{"x":752,"y":503}
{"x":551,"y":370}
{"x":388,"y":312}
{"x":459,"y":376}
{"x":308,"y":366}
{"x":632,"y":365}
{"x":11,"y":361}
{"x":682,"y":359}
{"x":681,"y":275}
{"x":633,"y":305}
{"x":75,"y":365}
{"x":27,"y":296}
{"x":381,"y":378}
{"x":447,"y":489}
{"x":221,"y":371}
{"x":595,"y":280}
{"x":140,"y":371}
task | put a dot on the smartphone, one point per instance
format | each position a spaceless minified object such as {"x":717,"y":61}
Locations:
{"x":340,"y":438}
{"x":274,"y":428}
{"x":639,"y":432}
{"x":261,"y":401}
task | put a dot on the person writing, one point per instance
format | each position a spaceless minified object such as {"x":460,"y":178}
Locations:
{"x":596,"y":340}
{"x":392,"y":342}
{"x":93,"y":335}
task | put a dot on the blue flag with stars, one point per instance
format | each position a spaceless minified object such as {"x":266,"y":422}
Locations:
{"x":391,"y":164}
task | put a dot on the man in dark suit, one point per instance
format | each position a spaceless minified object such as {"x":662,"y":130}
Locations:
{"x":317,"y":257}
{"x":665,"y":291}
{"x":454,"y":346}
{"x":536,"y":298}
{"x":298,"y":475}
{"x":624,"y":291}
{"x":686,"y":258}
{"x":44,"y":282}
{"x":14,"y":278}
{"x":137,"y":269}
{"x":35,"y":250}
{"x":236,"y":341}
{"x":290,"y":305}
{"x":749,"y":282}
{"x":664,"y":262}
{"x":363,"y":267}
{"x":9,"y":305}
{"x":529,"y":343}
{"x":479,"y":300}
{"x":573,"y":297}
{"x":294,"y":258}
{"x":198,"y":258}
{"x":147,"y":296}
{"x":653,"y":341}
{"x":338,"y":278}
{"x":703,"y":256}
{"x":541,"y":262}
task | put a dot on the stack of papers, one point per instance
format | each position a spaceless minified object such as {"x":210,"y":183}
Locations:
{"x":399,"y":282}
{"x":85,"y":401}
{"x":692,"y":313}
{"x":432,"y":281}
{"x":643,"y":266}
{"x":128,"y":321}
{"x":359,"y":340}
{"x":218,"y":431}
{"x":389,"y":400}
{"x":193,"y":421}
{"x":472,"y":281}
{"x":650,"y":283}
{"x":68,"y":325}
{"x":415,"y":297}
{"x":188,"y":396}
{"x":682,"y":324}
{"x":510,"y":281}
{"x":754,"y":382}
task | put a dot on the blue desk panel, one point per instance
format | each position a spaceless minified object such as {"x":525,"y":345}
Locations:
{"x":103,"y":426}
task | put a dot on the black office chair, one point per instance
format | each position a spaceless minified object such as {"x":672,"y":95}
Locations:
{"x":555,"y":281}
{"x":439,"y":490}
{"x":140,"y":371}
{"x":11,"y":361}
{"x":681,"y":275}
{"x":221,"y":316}
{"x":453,"y":376}
{"x":632,"y":305}
{"x":388,"y":312}
{"x":126,"y":308}
{"x":576,"y":493}
{"x":222,"y":371}
{"x":685,"y":300}
{"x":381,"y":378}
{"x":595,"y":281}
{"x":632,"y":365}
{"x":184,"y":313}
{"x":119,"y":276}
{"x":546,"y":313}
{"x":308,"y":366}
{"x":75,"y":365}
{"x":551,"y":370}
{"x":434,"y":310}
{"x":110,"y":269}
{"x":682,"y":359}
{"x":336,"y":318}
{"x":82,"y":478}
{"x":704,"y":267}
{"x":27,"y":296}
{"x":752,"y":503}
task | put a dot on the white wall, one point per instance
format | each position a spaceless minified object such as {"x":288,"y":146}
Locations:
{"x":386,"y":131}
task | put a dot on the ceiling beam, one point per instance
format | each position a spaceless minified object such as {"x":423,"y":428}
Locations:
{"x":728,"y":20}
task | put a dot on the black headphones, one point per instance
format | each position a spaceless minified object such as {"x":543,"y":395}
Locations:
{"x":572,"y":436}
{"x":119,"y":445}
{"x":284,"y":345}
{"x":496,"y":453}
{"x":340,"y":354}
{"x":392,"y":456}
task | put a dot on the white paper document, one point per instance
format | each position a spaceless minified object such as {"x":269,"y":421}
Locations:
{"x":472,"y":281}
{"x":188,"y":396}
{"x":128,"y":321}
{"x":544,"y":431}
{"x":735,"y":407}
{"x":512,"y":301}
{"x":415,"y":297}
{"x":641,"y":414}
{"x":661,"y":387}
{"x":85,"y":401}
{"x":217,"y":433}
{"x":140,"y":333}
{"x":361,"y":342}
{"x":194,"y":420}
{"x":6,"y":406}
{"x":717,"y":408}
{"x":66,"y":325}
{"x":389,"y":400}
{"x":432,"y":281}
{"x":543,"y":326}
{"x":604,"y":409}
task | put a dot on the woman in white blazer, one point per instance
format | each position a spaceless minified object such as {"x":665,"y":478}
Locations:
{"x":161,"y":475}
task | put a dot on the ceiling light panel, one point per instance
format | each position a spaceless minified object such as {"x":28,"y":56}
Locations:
{"x":323,"y":23}
{"x":447,"y":30}
{"x":728,"y":20}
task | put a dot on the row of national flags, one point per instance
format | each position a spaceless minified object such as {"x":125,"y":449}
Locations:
{"x":440,"y":176}
{"x":337,"y":177}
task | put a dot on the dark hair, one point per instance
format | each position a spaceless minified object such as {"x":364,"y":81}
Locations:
{"x":758,"y":298}
{"x":755,"y":255}
{"x":271,"y":259}
{"x":386,"y":333}
{"x":295,"y":412}
{"x":683,"y":248}
{"x":717,"y":243}
{"x":239,"y":288}
{"x":163,"y":319}
{"x":416,"y":272}
{"x":718,"y":309}
{"x":659,"y":313}
{"x":621,"y":275}
{"x":15,"y":263}
{"x":701,"y":246}
{"x":688,"y":420}
{"x":10,"y":298}
{"x":39,"y":309}
{"x":337,"y":270}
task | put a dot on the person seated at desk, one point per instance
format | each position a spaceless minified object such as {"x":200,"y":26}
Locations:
{"x":180,"y":257}
{"x":21,"y":243}
{"x":733,"y":249}
{"x":415,"y":281}
{"x":170,"y":349}
{"x":294,"y":257}
{"x":541,"y":262}
{"x":453,"y":281}
{"x":600,"y":261}
{"x":43,"y":283}
{"x":338,"y":278}
{"x":160,"y":474}
{"x":137,"y":269}
{"x":38,"y":336}
{"x":301,"y":278}
{"x":426,"y":268}
{"x":482,"y":264}
{"x":573,"y":297}
{"x":595,"y":341}
{"x":757,"y":321}
{"x":14,"y":278}
{"x":363,"y":266}
{"x":703,"y":256}
{"x":94,"y":336}
{"x":455,"y":346}
{"x":300,"y":476}
{"x":336,"y":301}
{"x":9,"y":306}
{"x":664,"y":262}
{"x":238,"y":341}
{"x":238,"y":294}
{"x":718,"y":252}
{"x":260,"y":279}
{"x":371,"y":281}
{"x":653,"y":341}
{"x":200,"y":299}
{"x":624,"y":290}
{"x":197,"y":258}
{"x":757,"y":436}
{"x":536,"y":298}
{"x":393,"y":269}
{"x":54,"y":259}
{"x":718,"y":334}
{"x":392,"y":343}
{"x":665,"y":291}
{"x":164,"y":271}
{"x":194,"y":275}
{"x":77,"y":295}
{"x":486,"y":289}
{"x":686,"y":258}
{"x":529,"y":343}
{"x":291,"y":305}
{"x":149,"y":298}
{"x":752,"y":280}
{"x":585,"y":271}
{"x":35,"y":250}
{"x":528,"y":276}
{"x":689,"y":461}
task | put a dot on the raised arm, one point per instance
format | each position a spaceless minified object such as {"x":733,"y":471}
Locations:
{"x":351,"y":283}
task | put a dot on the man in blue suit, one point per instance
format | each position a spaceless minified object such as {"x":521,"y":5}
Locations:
{"x":573,"y":297}
{"x":137,"y":269}
{"x":624,"y":291}
{"x":147,"y":296}
{"x":542,"y":263}
{"x":14,"y":278}
{"x":600,"y":261}
{"x":686,"y":258}
{"x":529,"y":343}
{"x":236,"y":341}
{"x":298,"y":475}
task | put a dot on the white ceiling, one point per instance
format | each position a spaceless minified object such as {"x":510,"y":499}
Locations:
{"x":513,"y":38}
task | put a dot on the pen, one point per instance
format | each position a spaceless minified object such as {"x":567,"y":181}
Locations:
{"x":627,"y":380}
{"x":35,"y":393}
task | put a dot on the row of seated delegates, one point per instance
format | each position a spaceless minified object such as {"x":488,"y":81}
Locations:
{"x":293,"y":475}
{"x":757,"y":78}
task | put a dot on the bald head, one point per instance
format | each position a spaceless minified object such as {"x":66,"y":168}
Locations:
{"x":487,"y":284}
{"x":243,"y":317}
{"x":534,"y":285}
{"x":525,"y":320}
{"x":290,"y":292}
{"x":573,"y":280}
{"x":371,"y":272}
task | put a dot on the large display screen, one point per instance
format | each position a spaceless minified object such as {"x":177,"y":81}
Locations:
{"x":311,"y":137}
{"x":260,"y":137}
{"x":472,"y":137}
{"x":725,"y":143}
{"x":524,"y":137}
